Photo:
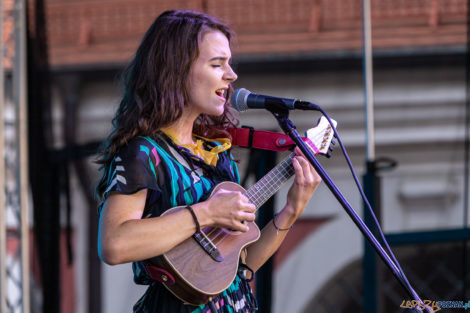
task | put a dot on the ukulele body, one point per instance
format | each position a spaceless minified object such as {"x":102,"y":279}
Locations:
{"x":198,"y":277}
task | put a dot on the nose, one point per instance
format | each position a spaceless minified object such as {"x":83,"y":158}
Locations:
{"x":230,"y":75}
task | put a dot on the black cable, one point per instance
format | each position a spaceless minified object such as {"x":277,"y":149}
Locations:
{"x":366,"y":201}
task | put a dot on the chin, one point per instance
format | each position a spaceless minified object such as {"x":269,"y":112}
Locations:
{"x":217,"y":112}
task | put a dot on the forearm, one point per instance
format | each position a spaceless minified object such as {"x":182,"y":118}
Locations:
{"x":125,"y":237}
{"x":269,"y":241}
{"x":305,"y":182}
{"x":140,"y":239}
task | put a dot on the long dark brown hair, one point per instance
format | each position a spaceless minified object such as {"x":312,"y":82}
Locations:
{"x":156,"y":84}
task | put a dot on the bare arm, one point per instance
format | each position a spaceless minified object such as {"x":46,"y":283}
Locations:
{"x":124,"y":236}
{"x":305,"y":182}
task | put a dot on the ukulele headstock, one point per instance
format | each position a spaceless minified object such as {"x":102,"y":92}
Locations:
{"x":320,"y":138}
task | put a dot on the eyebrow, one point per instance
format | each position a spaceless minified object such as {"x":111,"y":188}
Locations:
{"x":220,"y":58}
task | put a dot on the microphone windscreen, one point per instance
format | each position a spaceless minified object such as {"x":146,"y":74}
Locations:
{"x":239,"y":99}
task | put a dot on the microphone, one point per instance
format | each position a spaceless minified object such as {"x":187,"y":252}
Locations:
{"x":243,"y":100}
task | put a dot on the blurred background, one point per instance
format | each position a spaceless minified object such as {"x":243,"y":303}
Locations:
{"x":59,"y":88}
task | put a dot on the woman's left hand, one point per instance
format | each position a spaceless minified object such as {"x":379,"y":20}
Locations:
{"x":305,"y":182}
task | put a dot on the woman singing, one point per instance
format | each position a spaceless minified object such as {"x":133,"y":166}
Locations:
{"x":168,"y":149}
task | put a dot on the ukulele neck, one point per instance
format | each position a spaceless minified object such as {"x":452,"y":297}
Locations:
{"x":267,"y":186}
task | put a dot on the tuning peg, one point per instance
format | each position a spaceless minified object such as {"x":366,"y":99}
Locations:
{"x":328,"y":154}
{"x":333,"y":142}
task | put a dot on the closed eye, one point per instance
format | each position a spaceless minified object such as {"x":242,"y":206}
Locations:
{"x":219,"y":61}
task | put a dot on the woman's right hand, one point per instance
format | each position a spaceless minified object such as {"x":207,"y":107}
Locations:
{"x":228,"y":209}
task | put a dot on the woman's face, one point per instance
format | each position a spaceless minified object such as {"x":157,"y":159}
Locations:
{"x":210,"y":75}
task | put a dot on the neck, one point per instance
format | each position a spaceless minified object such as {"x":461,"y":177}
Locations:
{"x":182,"y":129}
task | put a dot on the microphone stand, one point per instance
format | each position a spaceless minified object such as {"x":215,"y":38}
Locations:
{"x":289,"y":128}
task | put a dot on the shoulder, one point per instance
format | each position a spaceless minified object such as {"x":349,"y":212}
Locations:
{"x":134,"y":167}
{"x":137,"y":144}
{"x":140,"y":147}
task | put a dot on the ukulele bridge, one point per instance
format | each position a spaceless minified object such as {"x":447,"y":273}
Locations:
{"x":208,"y":246}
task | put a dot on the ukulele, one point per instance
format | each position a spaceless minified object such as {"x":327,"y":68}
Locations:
{"x":205,"y":264}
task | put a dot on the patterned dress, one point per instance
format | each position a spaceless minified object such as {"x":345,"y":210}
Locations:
{"x":155,"y":164}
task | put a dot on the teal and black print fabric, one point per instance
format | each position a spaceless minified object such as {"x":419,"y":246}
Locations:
{"x":152,"y":163}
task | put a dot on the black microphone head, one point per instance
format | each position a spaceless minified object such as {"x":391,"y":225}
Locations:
{"x":239,"y":99}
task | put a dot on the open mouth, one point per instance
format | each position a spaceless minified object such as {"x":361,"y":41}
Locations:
{"x":221,"y":93}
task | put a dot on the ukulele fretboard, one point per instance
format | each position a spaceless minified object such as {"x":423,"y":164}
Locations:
{"x":267,"y":186}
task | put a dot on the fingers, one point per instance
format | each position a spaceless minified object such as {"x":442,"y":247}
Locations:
{"x":305,"y":182}
{"x":298,"y":152}
{"x":245,"y":214}
{"x":241,"y":226}
{"x":224,"y":195}
{"x":305,"y":174}
{"x":299,"y":173}
{"x":230,"y":209}
{"x":304,"y":171}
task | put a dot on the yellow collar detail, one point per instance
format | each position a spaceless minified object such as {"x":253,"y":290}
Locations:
{"x":210,"y":157}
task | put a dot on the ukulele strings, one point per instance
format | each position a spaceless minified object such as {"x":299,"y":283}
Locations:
{"x":281,"y":174}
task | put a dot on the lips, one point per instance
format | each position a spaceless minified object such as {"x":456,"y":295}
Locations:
{"x":221,"y":93}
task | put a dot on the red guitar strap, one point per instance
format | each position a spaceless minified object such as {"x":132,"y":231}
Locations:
{"x":260,"y":139}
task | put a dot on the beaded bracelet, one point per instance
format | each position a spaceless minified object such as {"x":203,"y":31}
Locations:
{"x":190,"y":209}
{"x":278,"y":228}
